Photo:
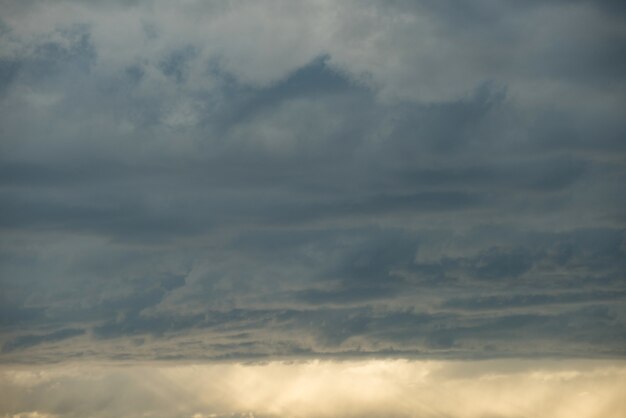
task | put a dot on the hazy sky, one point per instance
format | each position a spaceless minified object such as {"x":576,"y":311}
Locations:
{"x":321,"y":389}
{"x":304,"y":180}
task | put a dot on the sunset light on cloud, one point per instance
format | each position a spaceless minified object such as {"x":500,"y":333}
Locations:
{"x":371,"y":388}
{"x":316,"y":208}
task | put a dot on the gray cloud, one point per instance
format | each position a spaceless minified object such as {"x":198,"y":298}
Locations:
{"x":269,"y":179}
{"x":25,"y":341}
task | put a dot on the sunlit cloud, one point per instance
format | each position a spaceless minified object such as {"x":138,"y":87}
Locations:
{"x":372,"y":388}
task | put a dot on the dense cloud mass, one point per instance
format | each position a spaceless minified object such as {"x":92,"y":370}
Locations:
{"x":276,"y":179}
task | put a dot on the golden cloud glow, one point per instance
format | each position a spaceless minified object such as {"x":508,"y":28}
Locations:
{"x":374,"y":388}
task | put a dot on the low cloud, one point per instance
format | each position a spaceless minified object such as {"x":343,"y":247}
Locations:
{"x":396,"y":388}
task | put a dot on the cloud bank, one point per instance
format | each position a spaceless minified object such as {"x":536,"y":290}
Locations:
{"x":271,"y":179}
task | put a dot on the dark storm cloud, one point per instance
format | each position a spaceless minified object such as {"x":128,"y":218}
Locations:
{"x":426,"y":178}
{"x":310,"y":81}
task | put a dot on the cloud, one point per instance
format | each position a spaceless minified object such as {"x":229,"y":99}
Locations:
{"x":265,"y":179}
{"x":321,"y":388}
{"x":31,"y":340}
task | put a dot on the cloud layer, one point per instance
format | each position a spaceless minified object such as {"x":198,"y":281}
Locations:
{"x":397,"y":388}
{"x":247,"y":179}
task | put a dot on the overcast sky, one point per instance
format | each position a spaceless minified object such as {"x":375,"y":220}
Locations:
{"x":270,"y":180}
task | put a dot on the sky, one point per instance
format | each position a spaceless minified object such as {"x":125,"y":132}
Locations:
{"x":245,"y":197}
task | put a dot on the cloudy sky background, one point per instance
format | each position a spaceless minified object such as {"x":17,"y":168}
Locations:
{"x":277,"y":180}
